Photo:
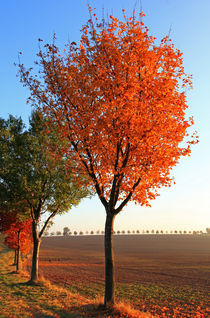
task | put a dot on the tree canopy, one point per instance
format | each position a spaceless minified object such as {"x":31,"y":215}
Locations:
{"x":29,"y":172}
{"x":120,"y":100}
{"x":32,"y":178}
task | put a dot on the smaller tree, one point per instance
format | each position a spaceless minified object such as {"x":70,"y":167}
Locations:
{"x":80,"y":233}
{"x":19,"y":238}
{"x":58,"y":233}
{"x":91,"y":232}
{"x":75,"y":232}
{"x":66,"y":231}
{"x":208,"y":230}
{"x":31,"y":173}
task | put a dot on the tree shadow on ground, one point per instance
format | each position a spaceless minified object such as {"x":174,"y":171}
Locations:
{"x":34,"y":295}
{"x":93,"y":310}
{"x":87,"y":311}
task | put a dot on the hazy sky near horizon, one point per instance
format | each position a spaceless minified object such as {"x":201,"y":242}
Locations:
{"x":184,"y":206}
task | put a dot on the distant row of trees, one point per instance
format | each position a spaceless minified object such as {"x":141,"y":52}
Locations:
{"x":67,"y":232}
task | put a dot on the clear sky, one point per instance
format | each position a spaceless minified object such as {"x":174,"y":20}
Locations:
{"x":184,"y":206}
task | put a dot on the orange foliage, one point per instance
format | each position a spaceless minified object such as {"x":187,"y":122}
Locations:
{"x":23,"y":240}
{"x":119,"y":99}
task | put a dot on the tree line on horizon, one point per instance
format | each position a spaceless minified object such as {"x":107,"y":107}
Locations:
{"x":68,"y":232}
{"x":109,"y":118}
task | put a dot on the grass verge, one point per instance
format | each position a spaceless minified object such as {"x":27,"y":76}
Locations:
{"x":18,"y":299}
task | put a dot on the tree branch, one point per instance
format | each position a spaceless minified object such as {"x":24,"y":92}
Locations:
{"x":128,"y":198}
{"x":47,"y":221}
{"x":91,"y":173}
{"x":113,"y":190}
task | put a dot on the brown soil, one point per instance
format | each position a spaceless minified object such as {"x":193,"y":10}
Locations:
{"x":167,"y":259}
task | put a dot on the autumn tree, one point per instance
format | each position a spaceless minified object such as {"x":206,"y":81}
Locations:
{"x":19,"y":238}
{"x":15,"y":227}
{"x":120,"y":101}
{"x":31,"y":173}
{"x":7,"y":218}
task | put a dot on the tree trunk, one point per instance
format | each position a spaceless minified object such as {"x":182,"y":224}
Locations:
{"x":109,"y":261}
{"x":18,"y":253}
{"x":15,"y":258}
{"x":35,"y":257}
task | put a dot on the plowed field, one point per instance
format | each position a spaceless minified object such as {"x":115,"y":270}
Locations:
{"x":173,"y":267}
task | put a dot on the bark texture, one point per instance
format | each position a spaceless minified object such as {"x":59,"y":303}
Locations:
{"x":15,"y":257}
{"x":18,"y":253}
{"x":35,"y":257}
{"x":109,"y":261}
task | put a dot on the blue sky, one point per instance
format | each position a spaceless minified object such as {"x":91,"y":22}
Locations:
{"x":185,"y":205}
